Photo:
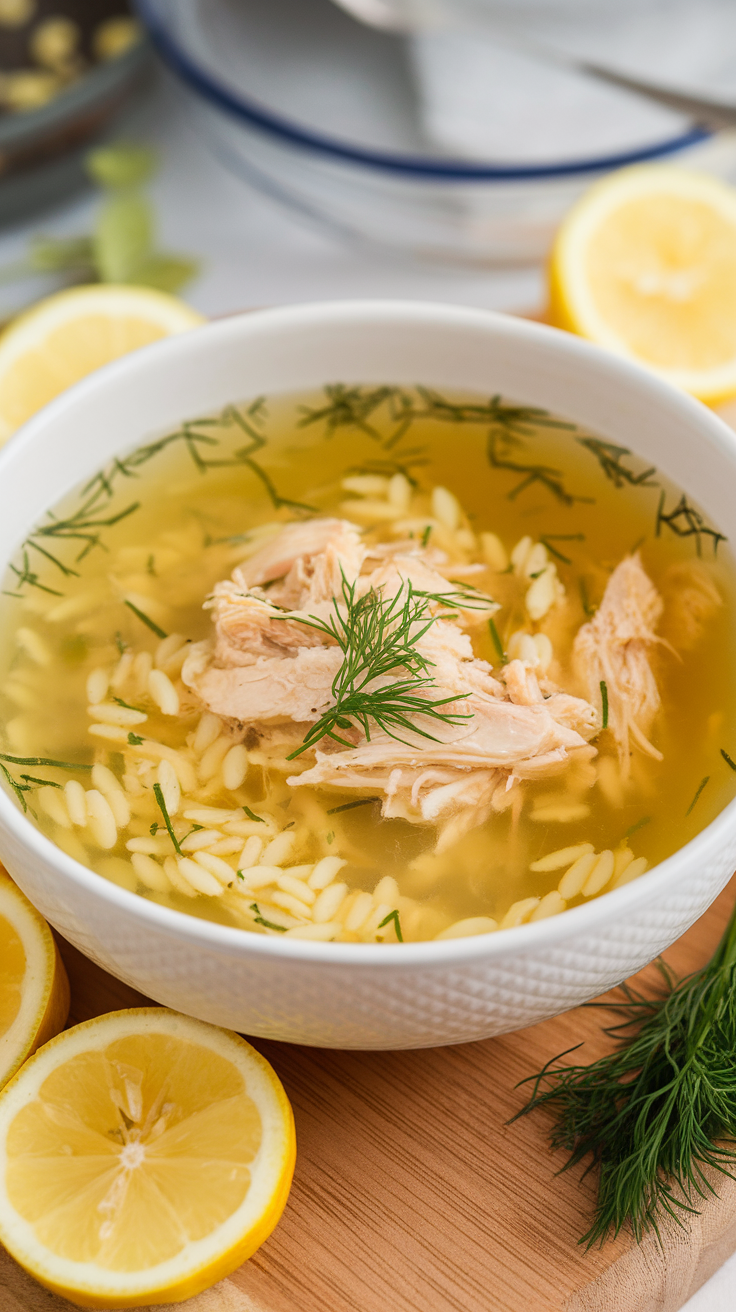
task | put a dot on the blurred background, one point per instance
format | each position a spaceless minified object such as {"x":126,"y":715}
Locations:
{"x":314,"y":149}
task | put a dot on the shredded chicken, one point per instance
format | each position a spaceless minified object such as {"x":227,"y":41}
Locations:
{"x":614,"y":648}
{"x":265,"y":672}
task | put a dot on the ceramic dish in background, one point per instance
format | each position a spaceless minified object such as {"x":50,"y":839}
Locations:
{"x":342,"y":994}
{"x":42,"y":150}
{"x":320,"y":112}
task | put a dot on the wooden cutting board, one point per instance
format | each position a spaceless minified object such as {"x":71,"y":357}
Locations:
{"x":412,"y":1194}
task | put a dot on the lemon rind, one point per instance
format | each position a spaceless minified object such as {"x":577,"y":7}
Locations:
{"x":45,"y":992}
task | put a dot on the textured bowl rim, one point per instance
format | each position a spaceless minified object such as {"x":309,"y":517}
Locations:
{"x":413,"y":167}
{"x":526,"y":940}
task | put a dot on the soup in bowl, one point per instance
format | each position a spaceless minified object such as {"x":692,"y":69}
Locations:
{"x":366,"y":670}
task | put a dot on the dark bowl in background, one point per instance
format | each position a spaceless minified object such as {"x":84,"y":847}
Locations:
{"x":42,"y":150}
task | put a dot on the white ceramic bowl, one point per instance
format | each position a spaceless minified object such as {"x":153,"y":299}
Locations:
{"x":355,"y":995}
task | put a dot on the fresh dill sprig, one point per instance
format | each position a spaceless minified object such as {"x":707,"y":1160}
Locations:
{"x":146,"y":619}
{"x":544,"y":474}
{"x":700,"y":788}
{"x":378,"y":637}
{"x":393,"y":915}
{"x":651,"y":1113}
{"x":465,"y":597}
{"x":610,"y":458}
{"x":158,"y":794}
{"x":604,"y":704}
{"x":727,"y":759}
{"x":686,"y":522}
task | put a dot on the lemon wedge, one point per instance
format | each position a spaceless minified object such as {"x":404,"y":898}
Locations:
{"x":645,"y":264}
{"x":143,"y":1156}
{"x":34,"y":989}
{"x":67,"y":336}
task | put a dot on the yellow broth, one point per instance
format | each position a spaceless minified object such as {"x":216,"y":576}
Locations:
{"x":192,"y":524}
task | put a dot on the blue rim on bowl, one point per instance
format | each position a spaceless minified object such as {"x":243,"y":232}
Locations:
{"x":438,"y":169}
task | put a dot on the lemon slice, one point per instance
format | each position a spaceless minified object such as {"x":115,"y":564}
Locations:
{"x":34,"y":990}
{"x":645,"y":264}
{"x":143,"y":1156}
{"x":67,"y":336}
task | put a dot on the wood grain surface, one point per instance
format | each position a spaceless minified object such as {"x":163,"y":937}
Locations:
{"x":413,"y":1194}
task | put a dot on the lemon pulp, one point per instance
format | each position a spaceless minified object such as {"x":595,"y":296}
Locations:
{"x":142,"y":1164}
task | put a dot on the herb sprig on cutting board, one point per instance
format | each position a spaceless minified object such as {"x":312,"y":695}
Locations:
{"x":650,"y":1114}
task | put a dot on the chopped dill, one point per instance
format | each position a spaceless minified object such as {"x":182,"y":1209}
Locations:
{"x":44,"y":760}
{"x":29,"y":780}
{"x":547,"y":539}
{"x":151,"y":566}
{"x":154,"y":828}
{"x":604,"y":703}
{"x":545,"y":474}
{"x":269,"y":924}
{"x":252,"y":815}
{"x":84,"y":526}
{"x":331,"y":838}
{"x":158,"y":794}
{"x":496,"y":638}
{"x":240,"y":874}
{"x":727,"y":759}
{"x":686,"y":522}
{"x":145,"y":619}
{"x":701,"y":786}
{"x":48,"y":783}
{"x":589,"y":609}
{"x":350,"y":806}
{"x":393,"y":915}
{"x":127,"y":705}
{"x":425,"y":535}
{"x":379,"y":637}
{"x":349,"y":407}
{"x":120,"y":644}
{"x":358,"y":407}
{"x":610,"y":458}
{"x":633,"y":829}
{"x":134,"y":739}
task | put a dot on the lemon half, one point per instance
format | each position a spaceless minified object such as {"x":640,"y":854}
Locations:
{"x":67,"y":336}
{"x":645,"y":264}
{"x":34,"y":989}
{"x":143,"y":1156}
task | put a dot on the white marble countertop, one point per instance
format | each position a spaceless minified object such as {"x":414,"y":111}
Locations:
{"x":253,"y":254}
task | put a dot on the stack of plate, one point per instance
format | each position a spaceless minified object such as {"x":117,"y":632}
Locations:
{"x":325,"y":114}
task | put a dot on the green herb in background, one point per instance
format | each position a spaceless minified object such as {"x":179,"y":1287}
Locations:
{"x":650,"y":1114}
{"x":122,"y":247}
